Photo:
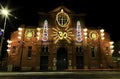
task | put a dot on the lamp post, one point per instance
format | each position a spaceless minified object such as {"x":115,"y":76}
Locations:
{"x":4,"y":12}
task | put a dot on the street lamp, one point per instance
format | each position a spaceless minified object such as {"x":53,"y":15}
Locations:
{"x":4,"y":12}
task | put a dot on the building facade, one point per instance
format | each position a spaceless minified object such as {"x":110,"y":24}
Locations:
{"x":61,"y":41}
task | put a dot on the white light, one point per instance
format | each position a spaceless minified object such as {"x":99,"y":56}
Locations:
{"x":111,"y":47}
{"x":119,"y":52}
{"x":38,"y":33}
{"x":2,"y":30}
{"x":20,"y":29}
{"x":112,"y":51}
{"x":102,"y":34}
{"x":8,"y":50}
{"x":85,"y":29}
{"x":19,"y":37}
{"x":102,"y":38}
{"x":8,"y":41}
{"x":5,"y":12}
{"x":85,"y":34}
{"x":20,"y":33}
{"x":62,"y":11}
{"x":102,"y":30}
{"x":8,"y":45}
{"x":38,"y":38}
{"x":85,"y":37}
{"x":111,"y":42}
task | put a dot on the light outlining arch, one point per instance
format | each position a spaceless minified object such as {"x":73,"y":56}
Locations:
{"x":78,"y":32}
{"x":45,"y":31}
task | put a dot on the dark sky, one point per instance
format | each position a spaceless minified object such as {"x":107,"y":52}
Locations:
{"x":104,"y":14}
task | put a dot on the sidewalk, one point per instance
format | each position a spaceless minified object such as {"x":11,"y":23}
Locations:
{"x":52,"y":73}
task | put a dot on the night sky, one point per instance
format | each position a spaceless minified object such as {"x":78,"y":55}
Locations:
{"x":104,"y":14}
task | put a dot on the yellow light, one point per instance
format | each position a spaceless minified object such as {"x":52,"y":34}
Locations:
{"x":38,"y":29}
{"x":62,"y":11}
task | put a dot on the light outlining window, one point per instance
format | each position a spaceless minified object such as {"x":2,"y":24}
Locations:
{"x":79,"y":33}
{"x":62,"y":18}
{"x":45,"y":31}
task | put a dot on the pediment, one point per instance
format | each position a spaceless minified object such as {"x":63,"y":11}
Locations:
{"x":58,"y":9}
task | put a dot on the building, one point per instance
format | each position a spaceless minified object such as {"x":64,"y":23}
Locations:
{"x":61,"y":41}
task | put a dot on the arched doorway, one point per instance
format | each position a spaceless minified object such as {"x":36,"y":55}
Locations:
{"x":62,"y":58}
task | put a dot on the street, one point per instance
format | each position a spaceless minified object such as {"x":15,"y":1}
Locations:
{"x":63,"y":75}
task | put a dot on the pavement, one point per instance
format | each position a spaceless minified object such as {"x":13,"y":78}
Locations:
{"x":81,"y":74}
{"x":52,"y":73}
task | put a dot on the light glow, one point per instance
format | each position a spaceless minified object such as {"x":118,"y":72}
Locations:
{"x":5,"y":12}
{"x":20,"y":29}
{"x":8,"y":50}
{"x":102,"y":38}
{"x":9,"y":41}
{"x":102,"y":30}
{"x":79,"y":33}
{"x":62,"y":34}
{"x":85,"y":30}
{"x":111,"y":47}
{"x":45,"y":31}
{"x":111,"y":42}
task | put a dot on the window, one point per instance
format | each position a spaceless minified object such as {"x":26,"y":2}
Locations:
{"x":93,"y":51}
{"x":43,"y":49}
{"x":29,"y":52}
{"x":106,"y":49}
{"x":46,"y":49}
{"x":76,"y":49}
{"x":80,"y":49}
{"x":14,"y":50}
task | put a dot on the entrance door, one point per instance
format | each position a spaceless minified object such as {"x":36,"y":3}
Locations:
{"x":44,"y":63}
{"x":79,"y":62}
{"x":62,"y":59}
